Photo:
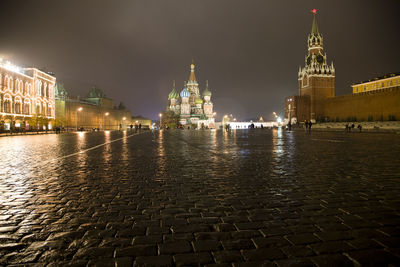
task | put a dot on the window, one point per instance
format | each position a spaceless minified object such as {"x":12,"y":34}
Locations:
{"x":18,"y":108}
{"x":7,"y":106}
{"x":26,"y":108}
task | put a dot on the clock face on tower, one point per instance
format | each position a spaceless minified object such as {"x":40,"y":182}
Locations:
{"x":320,"y":59}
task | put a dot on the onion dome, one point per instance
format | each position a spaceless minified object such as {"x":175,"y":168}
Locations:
{"x":199,"y":100}
{"x":207,"y":91}
{"x":185,"y":93}
{"x":174,"y":94}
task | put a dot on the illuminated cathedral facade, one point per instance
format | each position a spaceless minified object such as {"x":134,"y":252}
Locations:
{"x":191,"y":106}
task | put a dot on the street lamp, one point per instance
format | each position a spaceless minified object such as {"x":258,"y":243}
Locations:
{"x":123,"y":123}
{"x":76,"y":116}
{"x":105,"y":114}
{"x":160,"y":115}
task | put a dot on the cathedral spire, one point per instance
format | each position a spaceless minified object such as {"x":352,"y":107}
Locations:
{"x":314,"y":29}
{"x":192,"y":77}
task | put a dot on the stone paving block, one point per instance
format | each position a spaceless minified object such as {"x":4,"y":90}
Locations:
{"x":298,"y":251}
{"x":193,"y":228}
{"x":106,"y":252}
{"x":212,"y":236}
{"x":334,"y":235}
{"x":388,"y":242}
{"x":331,"y":247}
{"x":237,"y":244}
{"x":273,"y":241}
{"x":161,"y":260}
{"x":175,"y":247}
{"x":147,"y":240}
{"x":254,"y":263}
{"x":155,"y":230}
{"x":301,"y":239}
{"x":178,"y":237}
{"x":245,"y":234}
{"x":206,"y":245}
{"x":139,"y":250}
{"x":271,"y":231}
{"x":295,"y":262}
{"x":250,"y":225}
{"x":192,"y":259}
{"x":42,"y":245}
{"x":332,"y":260}
{"x":101,"y":262}
{"x":224,"y":227}
{"x":373,"y":257}
{"x":204,"y":220}
{"x":108,"y":242}
{"x":235,"y":219}
{"x":263,"y":254}
{"x":11,"y":246}
{"x":226,"y":256}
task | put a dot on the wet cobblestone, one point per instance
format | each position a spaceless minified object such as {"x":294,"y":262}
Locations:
{"x":213,"y":198}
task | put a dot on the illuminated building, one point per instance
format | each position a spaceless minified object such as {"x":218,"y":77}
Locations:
{"x":372,"y":100}
{"x":94,"y":111}
{"x":190,"y":105}
{"x":25,"y":93}
{"x":316,"y":80}
{"x":388,"y":81}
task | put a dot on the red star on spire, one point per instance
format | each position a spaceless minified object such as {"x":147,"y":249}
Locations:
{"x":314,"y":11}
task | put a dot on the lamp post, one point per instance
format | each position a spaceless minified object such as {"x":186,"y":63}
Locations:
{"x":123,"y":123}
{"x":160,"y":115}
{"x":76,"y":116}
{"x":105,"y":115}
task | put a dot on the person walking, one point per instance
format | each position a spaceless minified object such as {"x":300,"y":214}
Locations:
{"x":306,"y":126}
{"x":289,"y":126}
{"x":309,"y":126}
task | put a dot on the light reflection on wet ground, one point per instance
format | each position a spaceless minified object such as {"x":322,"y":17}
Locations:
{"x":150,"y":178}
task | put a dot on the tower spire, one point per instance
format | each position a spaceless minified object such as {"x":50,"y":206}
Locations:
{"x":314,"y":29}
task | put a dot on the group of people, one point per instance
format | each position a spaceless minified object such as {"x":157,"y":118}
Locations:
{"x":307,"y":126}
{"x":349,"y":128}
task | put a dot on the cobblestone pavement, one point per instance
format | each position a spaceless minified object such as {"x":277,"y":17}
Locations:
{"x":239,"y":198}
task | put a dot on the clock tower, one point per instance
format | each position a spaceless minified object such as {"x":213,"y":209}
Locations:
{"x":316,"y":79}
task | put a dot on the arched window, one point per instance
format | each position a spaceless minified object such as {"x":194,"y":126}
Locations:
{"x":45,"y":93}
{"x":27,"y":105}
{"x":7,"y":104}
{"x":41,"y":89}
{"x":49,"y":110}
{"x":17,"y":108}
{"x":38,"y":107}
{"x":9,"y":83}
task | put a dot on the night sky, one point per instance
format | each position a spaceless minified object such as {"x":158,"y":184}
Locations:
{"x":249,"y":50}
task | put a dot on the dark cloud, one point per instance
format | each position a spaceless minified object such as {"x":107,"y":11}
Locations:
{"x":249,"y":51}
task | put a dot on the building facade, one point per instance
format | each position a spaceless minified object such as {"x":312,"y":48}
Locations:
{"x":380,"y":83}
{"x":26,"y":94}
{"x":96,"y":111}
{"x":191,"y":106}
{"x":376,"y":99}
